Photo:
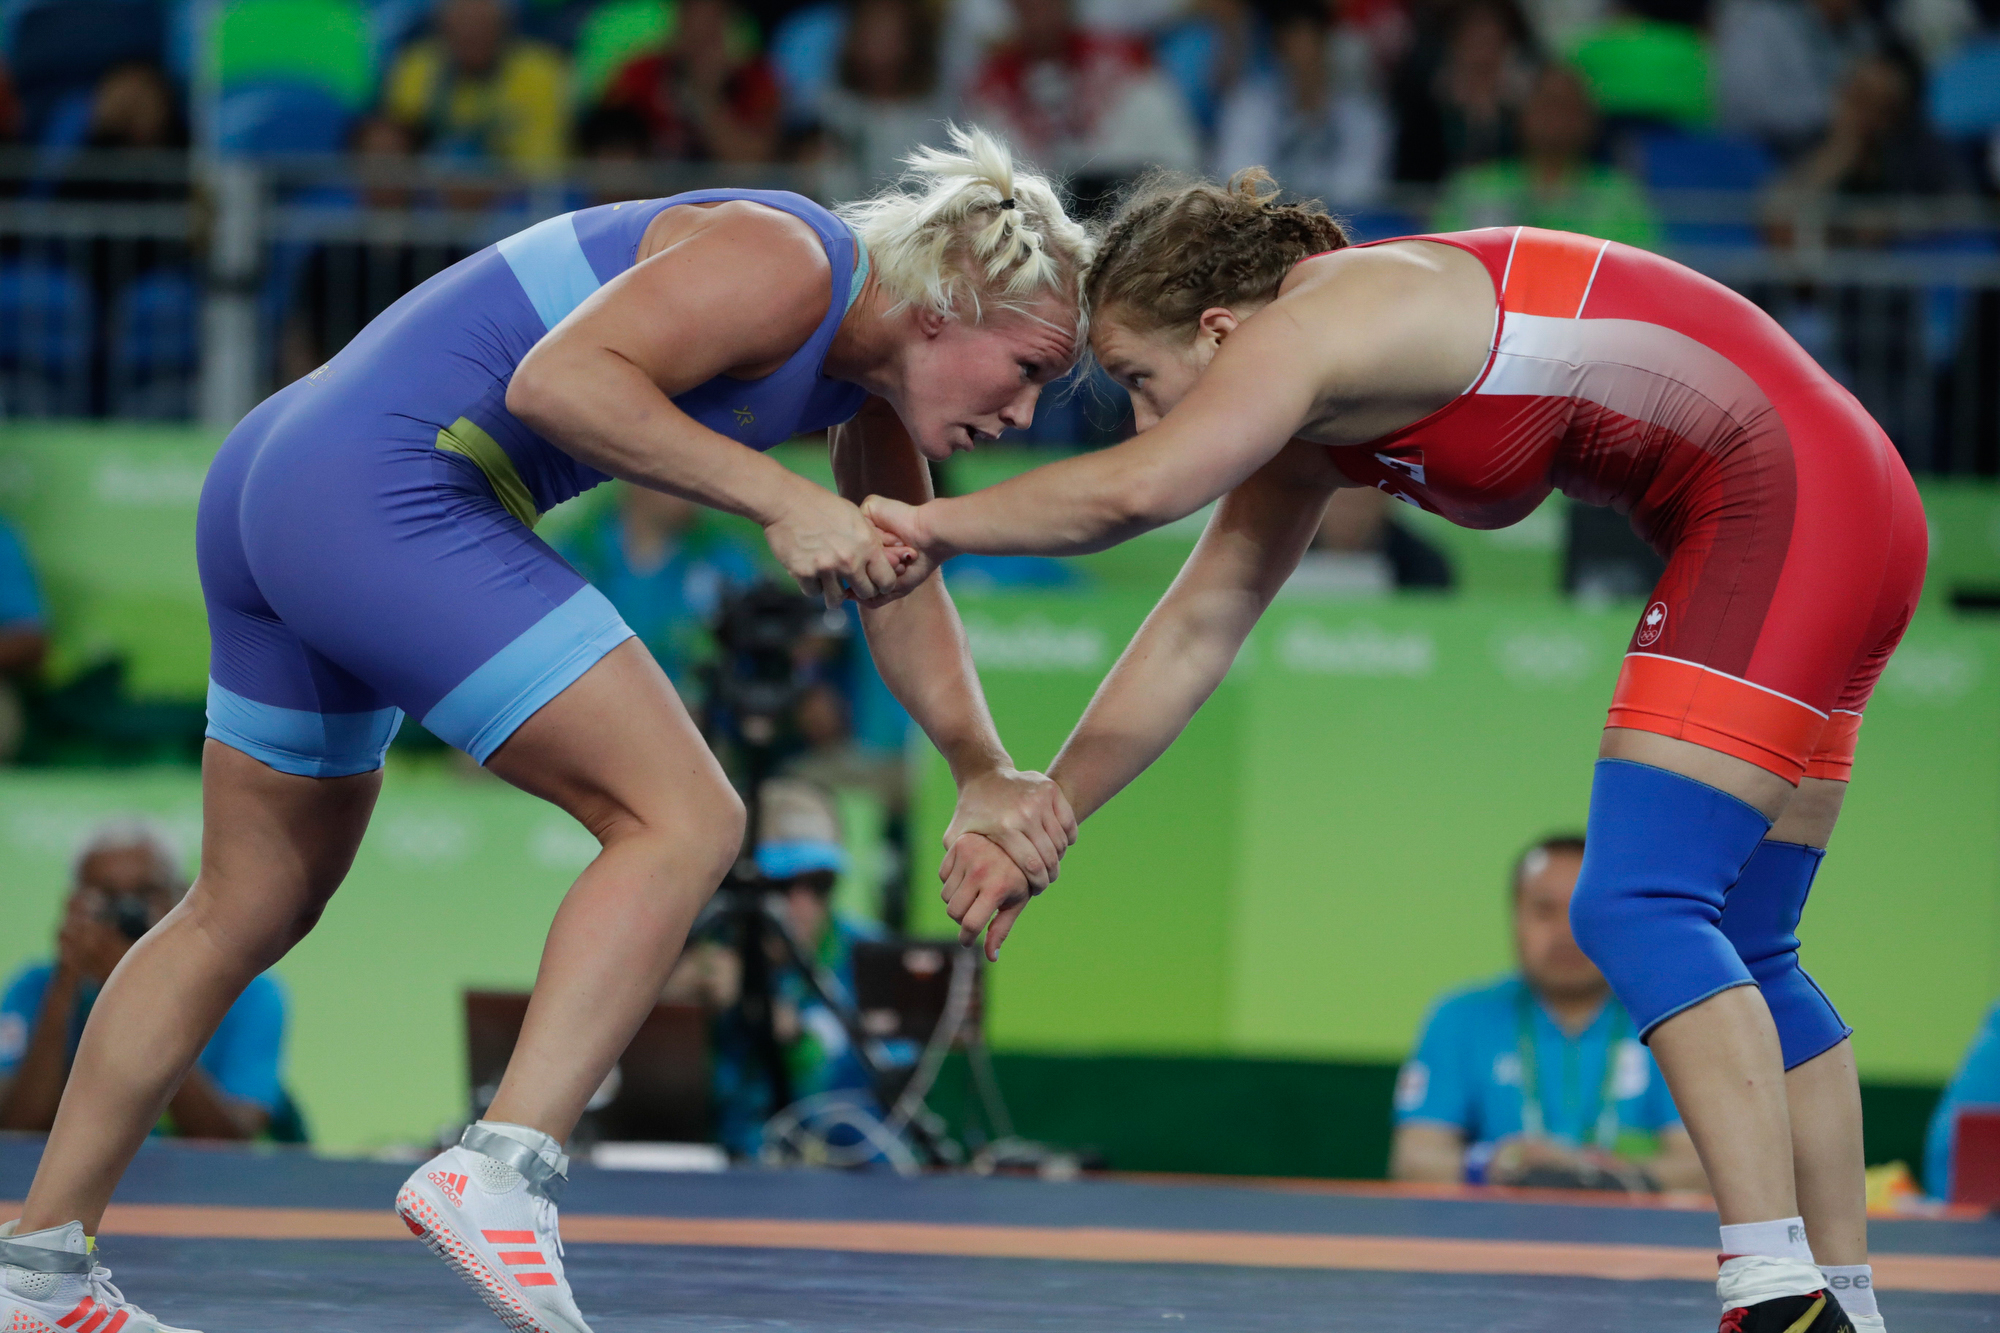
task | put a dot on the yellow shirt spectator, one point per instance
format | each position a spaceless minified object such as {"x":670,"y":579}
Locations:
{"x":476,"y":92}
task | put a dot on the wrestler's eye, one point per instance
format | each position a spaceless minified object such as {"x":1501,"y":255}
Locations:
{"x":1031,"y":370}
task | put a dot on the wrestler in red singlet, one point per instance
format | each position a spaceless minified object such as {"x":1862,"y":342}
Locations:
{"x":1623,"y":379}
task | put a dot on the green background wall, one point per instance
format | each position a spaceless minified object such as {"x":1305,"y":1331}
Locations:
{"x":1276,"y":902}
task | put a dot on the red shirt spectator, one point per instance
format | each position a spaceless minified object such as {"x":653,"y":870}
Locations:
{"x":1081,"y":102}
{"x":702,"y":98}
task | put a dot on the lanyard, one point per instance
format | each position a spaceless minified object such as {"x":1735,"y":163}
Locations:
{"x":1533,"y":1122}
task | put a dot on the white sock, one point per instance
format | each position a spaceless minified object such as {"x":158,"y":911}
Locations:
{"x":1783,"y":1239}
{"x":1854,"y":1286}
{"x":549,"y":1150}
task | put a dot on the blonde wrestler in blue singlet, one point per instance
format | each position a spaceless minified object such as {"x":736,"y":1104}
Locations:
{"x":367,"y":550}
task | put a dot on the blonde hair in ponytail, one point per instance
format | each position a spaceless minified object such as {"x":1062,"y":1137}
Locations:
{"x":966,"y":226}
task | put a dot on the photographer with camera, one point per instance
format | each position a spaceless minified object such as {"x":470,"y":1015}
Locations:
{"x":128,"y":877}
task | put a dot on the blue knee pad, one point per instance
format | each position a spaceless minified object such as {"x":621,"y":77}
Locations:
{"x":1660,"y":853}
{"x":1761,"y":918}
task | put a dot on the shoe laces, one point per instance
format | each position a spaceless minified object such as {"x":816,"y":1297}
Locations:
{"x":105,"y":1292}
{"x":545,"y":1219}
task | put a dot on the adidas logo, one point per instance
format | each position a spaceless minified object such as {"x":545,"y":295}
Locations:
{"x":453,"y":1187}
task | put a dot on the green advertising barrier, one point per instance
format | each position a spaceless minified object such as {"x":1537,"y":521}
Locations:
{"x":1325,"y":850}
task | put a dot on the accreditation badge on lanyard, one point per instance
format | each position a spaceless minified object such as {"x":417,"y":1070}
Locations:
{"x":1534,"y":1124}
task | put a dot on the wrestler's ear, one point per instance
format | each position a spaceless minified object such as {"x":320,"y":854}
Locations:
{"x":1217,"y":323}
{"x":930,"y":320}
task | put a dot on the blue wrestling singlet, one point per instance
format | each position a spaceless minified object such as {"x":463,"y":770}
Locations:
{"x":365,"y":537}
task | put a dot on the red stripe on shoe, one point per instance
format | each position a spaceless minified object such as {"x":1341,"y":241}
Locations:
{"x":536,"y":1279}
{"x":509,"y":1237}
{"x":522,"y":1257}
{"x":119,"y":1322}
{"x":97,"y":1321}
{"x":83,"y":1311}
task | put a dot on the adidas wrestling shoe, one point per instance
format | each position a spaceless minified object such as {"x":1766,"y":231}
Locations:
{"x":1761,"y":1295}
{"x":488,"y":1209}
{"x":51,"y":1282}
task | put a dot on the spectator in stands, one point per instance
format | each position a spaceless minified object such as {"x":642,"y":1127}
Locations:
{"x":135,"y":106}
{"x":666,"y":564}
{"x":1539,"y":1079}
{"x":1964,"y":100}
{"x":800,"y":855}
{"x":1089,"y":105}
{"x":1878,"y":142}
{"x":127,"y":877}
{"x":704,"y":96}
{"x":1456,"y":105}
{"x":1778,"y":64}
{"x":477,"y":91}
{"x":1977,"y":1084}
{"x":1553,"y":182}
{"x":1312,"y":119}
{"x":1361,"y":547}
{"x":24,"y":640}
{"x":885,"y":101}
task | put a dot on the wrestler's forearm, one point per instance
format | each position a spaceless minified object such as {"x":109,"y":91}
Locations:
{"x":1071,"y":507}
{"x":920,"y":648}
{"x":918,"y":643}
{"x":1171,"y":667}
{"x":1189,"y":642}
{"x":602,"y":410}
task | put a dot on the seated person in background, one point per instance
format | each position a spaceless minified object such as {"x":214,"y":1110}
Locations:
{"x":1553,"y":182}
{"x":1878,"y":142}
{"x":24,"y":640}
{"x":1360,"y":547}
{"x":478,"y":92}
{"x":1977,"y":1084}
{"x":885,"y":102}
{"x":800,"y":854}
{"x":667,"y":568}
{"x":1539,"y":1079}
{"x":1085,"y":104}
{"x":705,"y":97}
{"x":1312,"y":118}
{"x":1456,"y":104}
{"x":127,"y":877}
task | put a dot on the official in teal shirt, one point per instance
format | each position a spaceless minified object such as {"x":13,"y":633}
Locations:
{"x":1539,"y":1078}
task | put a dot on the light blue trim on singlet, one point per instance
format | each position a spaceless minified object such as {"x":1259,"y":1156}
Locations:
{"x":549,"y":263}
{"x":487,"y":706}
{"x":860,"y":278}
{"x":292,"y":740}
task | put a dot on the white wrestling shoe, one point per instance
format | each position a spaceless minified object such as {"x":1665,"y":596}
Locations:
{"x":488,"y":1209}
{"x":51,"y":1282}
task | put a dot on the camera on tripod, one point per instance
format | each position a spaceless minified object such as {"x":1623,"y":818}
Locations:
{"x":773,"y":646}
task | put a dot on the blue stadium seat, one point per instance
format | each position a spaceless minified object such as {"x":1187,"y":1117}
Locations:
{"x":281,"y":116}
{"x":1964,"y":92}
{"x":1689,"y":160}
{"x":155,"y":345}
{"x":45,"y":341}
{"x":60,"y":48}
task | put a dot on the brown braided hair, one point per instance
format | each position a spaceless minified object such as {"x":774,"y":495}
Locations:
{"x":1175,"y":247}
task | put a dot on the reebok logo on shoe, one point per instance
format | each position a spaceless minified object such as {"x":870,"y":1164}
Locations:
{"x":452,"y":1185}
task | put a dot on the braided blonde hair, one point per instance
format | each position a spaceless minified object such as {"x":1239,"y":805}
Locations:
{"x":966,"y":227}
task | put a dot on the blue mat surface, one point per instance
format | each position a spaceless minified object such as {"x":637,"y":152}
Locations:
{"x":233,"y":1286}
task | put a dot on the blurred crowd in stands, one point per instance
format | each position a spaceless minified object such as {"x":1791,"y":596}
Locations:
{"x":1554,"y":111}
